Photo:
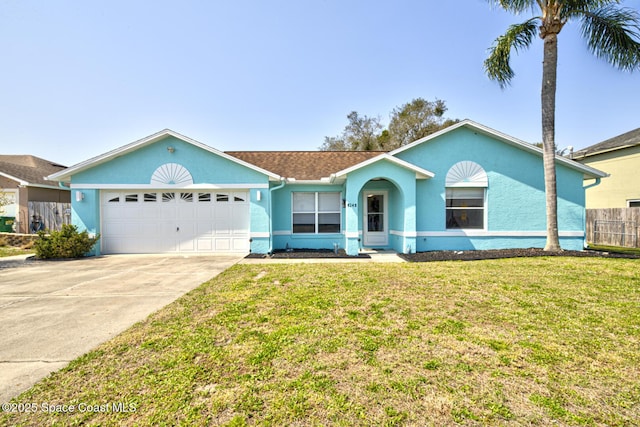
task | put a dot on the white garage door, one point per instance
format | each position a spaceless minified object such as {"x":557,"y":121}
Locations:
{"x":174,"y":221}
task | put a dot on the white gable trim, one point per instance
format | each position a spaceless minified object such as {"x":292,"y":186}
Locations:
{"x":204,"y":186}
{"x":588,"y":171}
{"x":420,"y":173}
{"x":13,"y":178}
{"x":95,"y":161}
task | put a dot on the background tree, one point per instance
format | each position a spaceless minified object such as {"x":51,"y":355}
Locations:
{"x":415,"y":120}
{"x":409,"y":122}
{"x":362,"y":133}
{"x":611,"y":32}
{"x":5,"y":200}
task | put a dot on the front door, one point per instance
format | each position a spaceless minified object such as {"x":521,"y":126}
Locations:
{"x":375,"y":219}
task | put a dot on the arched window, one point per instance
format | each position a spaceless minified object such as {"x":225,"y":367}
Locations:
{"x":465,"y":196}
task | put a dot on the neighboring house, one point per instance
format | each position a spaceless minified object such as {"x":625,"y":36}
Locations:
{"x":23,"y":180}
{"x":465,"y":187}
{"x":620,"y":158}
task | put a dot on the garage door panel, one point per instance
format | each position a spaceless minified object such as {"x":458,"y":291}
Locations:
{"x":241,"y":245}
{"x":222,"y":244}
{"x":204,"y":245}
{"x":205,"y":228}
{"x":150,"y":222}
{"x":240,"y":219}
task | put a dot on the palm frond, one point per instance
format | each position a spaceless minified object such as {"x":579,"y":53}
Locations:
{"x":613,"y":34}
{"x":579,"y":7}
{"x":518,"y":37}
{"x":515,"y":6}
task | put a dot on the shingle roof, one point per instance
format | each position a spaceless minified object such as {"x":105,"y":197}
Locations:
{"x":304,"y":165}
{"x":628,"y":139}
{"x":30,"y":169}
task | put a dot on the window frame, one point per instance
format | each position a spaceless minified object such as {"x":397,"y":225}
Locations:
{"x":482,"y":208}
{"x":634,"y":201}
{"x":316,"y":212}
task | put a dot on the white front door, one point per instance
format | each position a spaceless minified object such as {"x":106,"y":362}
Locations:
{"x":375,"y":219}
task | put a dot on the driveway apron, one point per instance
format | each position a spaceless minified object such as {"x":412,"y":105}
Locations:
{"x":52,"y":312}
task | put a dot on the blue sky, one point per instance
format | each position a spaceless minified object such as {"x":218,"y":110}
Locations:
{"x":79,"y":78}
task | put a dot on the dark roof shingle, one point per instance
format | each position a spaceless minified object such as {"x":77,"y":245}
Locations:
{"x":628,"y":139}
{"x":304,"y":165}
{"x":30,"y":169}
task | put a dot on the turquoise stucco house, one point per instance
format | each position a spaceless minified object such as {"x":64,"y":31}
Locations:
{"x":465,"y":187}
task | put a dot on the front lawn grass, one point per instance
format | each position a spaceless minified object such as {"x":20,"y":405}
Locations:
{"x":615,"y":249}
{"x":6,"y":251}
{"x":528,"y":341}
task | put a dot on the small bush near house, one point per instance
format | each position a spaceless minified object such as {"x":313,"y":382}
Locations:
{"x":66,"y":243}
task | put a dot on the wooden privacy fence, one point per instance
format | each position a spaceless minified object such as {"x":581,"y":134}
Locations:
{"x":48,"y":216}
{"x":614,"y":227}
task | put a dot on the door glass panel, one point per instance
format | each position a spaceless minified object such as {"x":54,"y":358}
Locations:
{"x":150,"y":197}
{"x":375,"y":212}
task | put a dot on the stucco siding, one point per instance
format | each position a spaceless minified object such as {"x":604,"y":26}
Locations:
{"x":622,"y":185}
{"x":283,"y":236}
{"x":207,"y":170}
{"x":514,"y":198}
{"x":85,"y":214}
{"x":138,"y":167}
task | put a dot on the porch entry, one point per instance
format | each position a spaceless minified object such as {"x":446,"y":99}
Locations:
{"x":375,"y":221}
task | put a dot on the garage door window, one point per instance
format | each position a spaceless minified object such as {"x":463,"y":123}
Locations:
{"x":231,"y":197}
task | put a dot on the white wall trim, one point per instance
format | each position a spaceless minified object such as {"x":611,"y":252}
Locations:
{"x":484,"y":233}
{"x":352,"y":234}
{"x":259,"y":235}
{"x":166,"y":187}
{"x":403,"y":233}
{"x":281,"y":233}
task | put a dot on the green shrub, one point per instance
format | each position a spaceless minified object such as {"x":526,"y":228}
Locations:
{"x":66,"y":243}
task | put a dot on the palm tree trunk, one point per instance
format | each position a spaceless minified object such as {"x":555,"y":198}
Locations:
{"x":548,"y":97}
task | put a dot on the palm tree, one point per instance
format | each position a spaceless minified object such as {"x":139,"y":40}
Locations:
{"x":612,"y":33}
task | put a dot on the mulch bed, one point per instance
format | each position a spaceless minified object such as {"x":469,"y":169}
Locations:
{"x":505,"y":253}
{"x":307,"y":253}
{"x":444,"y":255}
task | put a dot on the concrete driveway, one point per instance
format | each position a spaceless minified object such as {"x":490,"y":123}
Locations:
{"x":51,"y":312}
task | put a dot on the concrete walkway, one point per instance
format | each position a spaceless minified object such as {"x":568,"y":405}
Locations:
{"x":52,"y":312}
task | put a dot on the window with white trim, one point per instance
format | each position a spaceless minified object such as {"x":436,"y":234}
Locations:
{"x":633,"y":203}
{"x":465,"y":208}
{"x":315,"y":212}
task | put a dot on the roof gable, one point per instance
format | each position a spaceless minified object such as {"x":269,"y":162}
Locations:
{"x":420,"y":173}
{"x":588,"y":172}
{"x":29,"y":170}
{"x":144,"y":142}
